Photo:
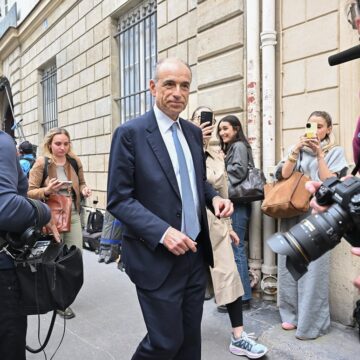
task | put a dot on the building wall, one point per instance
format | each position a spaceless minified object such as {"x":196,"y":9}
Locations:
{"x":209,"y":36}
{"x":311,"y":31}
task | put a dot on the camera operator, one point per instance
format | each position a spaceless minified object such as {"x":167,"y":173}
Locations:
{"x":16,"y":215}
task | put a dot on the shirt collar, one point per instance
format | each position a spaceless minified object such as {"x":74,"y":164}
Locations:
{"x":163,"y":121}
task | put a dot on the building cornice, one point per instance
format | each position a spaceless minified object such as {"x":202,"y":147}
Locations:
{"x":15,"y":36}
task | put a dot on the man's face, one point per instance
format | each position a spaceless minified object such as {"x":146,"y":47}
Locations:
{"x":171,"y":91}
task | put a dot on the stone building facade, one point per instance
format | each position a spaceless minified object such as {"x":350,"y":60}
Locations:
{"x":78,"y":41}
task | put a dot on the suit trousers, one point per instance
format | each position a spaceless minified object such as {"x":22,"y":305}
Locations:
{"x":173,"y":312}
{"x":13,"y":325}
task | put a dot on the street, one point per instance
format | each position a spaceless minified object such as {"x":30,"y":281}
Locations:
{"x":108,"y":325}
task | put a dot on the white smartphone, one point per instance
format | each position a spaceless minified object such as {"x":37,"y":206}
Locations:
{"x":66,"y":182}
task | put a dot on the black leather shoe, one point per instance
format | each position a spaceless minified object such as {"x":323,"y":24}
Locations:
{"x":246,"y":304}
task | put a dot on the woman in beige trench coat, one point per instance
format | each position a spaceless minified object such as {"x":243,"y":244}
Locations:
{"x":226,"y":280}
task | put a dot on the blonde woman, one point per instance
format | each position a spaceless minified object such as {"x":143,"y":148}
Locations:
{"x":228,"y":289}
{"x":63,"y":174}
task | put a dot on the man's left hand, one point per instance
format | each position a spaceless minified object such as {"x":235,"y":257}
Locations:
{"x":222,"y":207}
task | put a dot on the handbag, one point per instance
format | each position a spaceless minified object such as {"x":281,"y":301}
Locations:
{"x":250,"y":189}
{"x":287,"y":197}
{"x":50,"y":276}
{"x":61,"y":207}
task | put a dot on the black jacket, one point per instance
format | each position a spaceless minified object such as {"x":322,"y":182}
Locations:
{"x":16,"y":213}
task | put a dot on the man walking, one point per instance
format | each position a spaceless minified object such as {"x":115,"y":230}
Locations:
{"x":157,"y":188}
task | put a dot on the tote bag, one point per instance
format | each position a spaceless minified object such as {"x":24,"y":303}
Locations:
{"x":250,"y":189}
{"x":287,"y":198}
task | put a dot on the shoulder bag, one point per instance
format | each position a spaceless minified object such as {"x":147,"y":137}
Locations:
{"x":60,"y":206}
{"x":50,"y":277}
{"x":250,"y":189}
{"x":287,"y":197}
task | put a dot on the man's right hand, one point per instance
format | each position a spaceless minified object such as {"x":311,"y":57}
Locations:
{"x":177,"y":242}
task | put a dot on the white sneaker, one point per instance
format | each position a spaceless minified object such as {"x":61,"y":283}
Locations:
{"x":245,"y":346}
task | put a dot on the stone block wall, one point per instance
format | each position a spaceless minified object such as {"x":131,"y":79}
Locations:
{"x":312,"y":31}
{"x":209,"y":35}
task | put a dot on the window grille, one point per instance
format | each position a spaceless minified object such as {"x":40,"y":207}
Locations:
{"x":49,"y":94}
{"x":137,"y":42}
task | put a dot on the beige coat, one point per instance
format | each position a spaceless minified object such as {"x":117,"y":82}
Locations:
{"x":37,"y":190}
{"x":225,"y":276}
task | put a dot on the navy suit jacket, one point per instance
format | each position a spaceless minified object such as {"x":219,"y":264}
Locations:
{"x":144,"y":195}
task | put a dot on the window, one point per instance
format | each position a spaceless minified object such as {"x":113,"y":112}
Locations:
{"x":49,"y":97}
{"x":137,"y":58}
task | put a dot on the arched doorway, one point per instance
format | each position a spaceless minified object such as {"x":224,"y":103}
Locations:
{"x":7,"y":118}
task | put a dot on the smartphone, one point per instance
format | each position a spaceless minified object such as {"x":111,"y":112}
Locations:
{"x":206,"y":116}
{"x":67,"y":182}
{"x":310,"y":130}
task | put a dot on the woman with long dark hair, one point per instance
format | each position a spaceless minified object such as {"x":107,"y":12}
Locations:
{"x":225,"y":276}
{"x":238,"y":155}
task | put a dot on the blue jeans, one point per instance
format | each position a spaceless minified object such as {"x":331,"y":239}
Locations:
{"x":240,"y":219}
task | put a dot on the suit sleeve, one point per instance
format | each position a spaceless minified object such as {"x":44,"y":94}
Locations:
{"x":16,"y":213}
{"x":122,"y":204}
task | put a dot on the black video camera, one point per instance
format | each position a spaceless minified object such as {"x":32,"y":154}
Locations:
{"x":319,"y":233}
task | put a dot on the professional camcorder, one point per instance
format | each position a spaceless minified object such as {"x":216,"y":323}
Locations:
{"x":353,"y":16}
{"x":319,"y":233}
{"x":24,"y":242}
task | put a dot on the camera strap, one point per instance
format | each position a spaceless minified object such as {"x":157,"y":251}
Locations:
{"x":357,"y":167}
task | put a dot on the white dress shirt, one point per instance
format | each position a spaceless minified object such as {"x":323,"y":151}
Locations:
{"x":165,"y":123}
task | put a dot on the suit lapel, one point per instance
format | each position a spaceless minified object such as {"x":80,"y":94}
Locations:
{"x":157,"y":144}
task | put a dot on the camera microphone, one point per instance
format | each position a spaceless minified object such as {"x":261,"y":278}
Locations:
{"x":344,"y":56}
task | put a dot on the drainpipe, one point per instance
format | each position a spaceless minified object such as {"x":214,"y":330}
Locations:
{"x":253,"y":120}
{"x":268,"y":42}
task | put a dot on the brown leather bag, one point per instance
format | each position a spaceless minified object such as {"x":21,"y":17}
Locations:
{"x":286,"y":198}
{"x":61,"y":207}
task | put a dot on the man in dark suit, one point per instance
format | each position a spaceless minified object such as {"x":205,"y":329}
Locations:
{"x":157,"y":188}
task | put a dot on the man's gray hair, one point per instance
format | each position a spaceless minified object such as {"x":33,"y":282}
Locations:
{"x":168,"y":60}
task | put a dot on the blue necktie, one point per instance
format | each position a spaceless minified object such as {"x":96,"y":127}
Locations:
{"x":190,"y":217}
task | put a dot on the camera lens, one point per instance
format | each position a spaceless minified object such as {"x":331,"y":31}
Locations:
{"x":310,"y":239}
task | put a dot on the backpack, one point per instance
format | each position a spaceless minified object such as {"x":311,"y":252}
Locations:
{"x":30,"y":161}
{"x":72,"y":161}
{"x":95,"y":222}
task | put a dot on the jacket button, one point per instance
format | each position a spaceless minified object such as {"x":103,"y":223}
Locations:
{"x":178,"y":214}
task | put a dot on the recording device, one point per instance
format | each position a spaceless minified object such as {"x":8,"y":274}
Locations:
{"x":21,"y":243}
{"x":206,"y":116}
{"x":344,"y":56}
{"x":319,"y":233}
{"x":353,"y":53}
{"x":66,"y":182}
{"x":310,"y":130}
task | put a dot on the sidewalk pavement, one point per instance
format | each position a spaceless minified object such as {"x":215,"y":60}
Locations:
{"x":108,"y":325}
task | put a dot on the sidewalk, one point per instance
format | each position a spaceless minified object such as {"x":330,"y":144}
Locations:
{"x":109,"y":325}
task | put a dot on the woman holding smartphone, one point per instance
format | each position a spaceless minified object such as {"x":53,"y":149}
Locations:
{"x":60,"y":171}
{"x":304,"y":304}
{"x":226,"y":280}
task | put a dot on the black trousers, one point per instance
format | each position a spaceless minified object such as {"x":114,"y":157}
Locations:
{"x":173,"y":312}
{"x":13,"y":325}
